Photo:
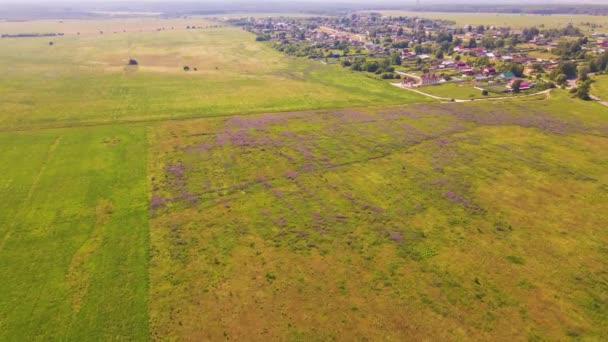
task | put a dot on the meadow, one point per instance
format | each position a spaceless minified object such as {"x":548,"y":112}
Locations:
{"x":515,"y":21}
{"x":84,"y":79}
{"x":74,"y":234}
{"x":269,"y":198}
{"x":599,"y":88}
{"x":442,"y":221}
{"x":460,"y":91}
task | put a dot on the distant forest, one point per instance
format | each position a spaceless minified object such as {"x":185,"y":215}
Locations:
{"x":23,"y":11}
{"x":528,"y":9}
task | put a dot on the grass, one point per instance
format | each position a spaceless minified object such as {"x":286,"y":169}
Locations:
{"x":73,"y":242}
{"x":600,"y":87}
{"x":389,"y":221}
{"x":514,"y":21}
{"x":453,"y":90}
{"x":82,"y":80}
{"x":305,"y":225}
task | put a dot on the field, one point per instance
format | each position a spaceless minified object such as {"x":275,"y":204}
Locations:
{"x":418,"y":221}
{"x":453,"y":90}
{"x":84,"y":79}
{"x":509,"y":20}
{"x":269,"y":198}
{"x":600,"y":87}
{"x":74,"y":234}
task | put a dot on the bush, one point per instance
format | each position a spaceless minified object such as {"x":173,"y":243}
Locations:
{"x":573,"y":90}
{"x":551,"y":85}
{"x":484,"y":92}
{"x":133,"y":62}
{"x":388,"y":76}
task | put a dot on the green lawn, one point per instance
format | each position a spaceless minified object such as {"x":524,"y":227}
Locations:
{"x":74,"y":236}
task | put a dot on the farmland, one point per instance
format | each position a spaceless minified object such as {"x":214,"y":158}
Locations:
{"x":85,"y":79}
{"x":506,"y":19}
{"x":73,"y":239}
{"x":267,"y":197}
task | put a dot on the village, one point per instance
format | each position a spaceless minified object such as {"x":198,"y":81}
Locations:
{"x":440,"y":58}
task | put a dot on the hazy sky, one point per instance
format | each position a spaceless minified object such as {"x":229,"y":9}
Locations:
{"x":368,"y":2}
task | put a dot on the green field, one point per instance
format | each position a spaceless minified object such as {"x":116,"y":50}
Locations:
{"x":453,"y":90}
{"x":600,"y":87}
{"x":74,"y":234}
{"x":156,"y":204}
{"x":510,"y":20}
{"x":84,"y":79}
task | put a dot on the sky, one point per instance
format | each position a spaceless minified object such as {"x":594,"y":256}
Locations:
{"x":367,"y":2}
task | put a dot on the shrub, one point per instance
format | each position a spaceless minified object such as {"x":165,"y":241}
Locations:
{"x":133,"y":62}
{"x":484,"y":92}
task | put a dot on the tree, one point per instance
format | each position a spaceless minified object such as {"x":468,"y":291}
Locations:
{"x":484,"y":92}
{"x":516,"y":85}
{"x":583,"y":91}
{"x":439,"y":54}
{"x":561,"y":79}
{"x":472,"y":43}
{"x":396,"y":59}
{"x":457,"y":58}
{"x":133,"y":62}
{"x":583,"y":72}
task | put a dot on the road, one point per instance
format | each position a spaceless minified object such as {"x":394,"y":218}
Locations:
{"x":469,"y":100}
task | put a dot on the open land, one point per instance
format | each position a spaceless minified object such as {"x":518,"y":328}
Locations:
{"x":267,"y":197}
{"x":509,"y":20}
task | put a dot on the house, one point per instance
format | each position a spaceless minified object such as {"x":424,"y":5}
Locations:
{"x":462,"y":65}
{"x":507,"y":75}
{"x":468,"y":72}
{"x":524,"y":85}
{"x":489,"y":71}
{"x":429,"y":78}
{"x":448,"y":64}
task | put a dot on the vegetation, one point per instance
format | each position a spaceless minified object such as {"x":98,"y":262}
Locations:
{"x":147,"y":203}
{"x":235,"y":75}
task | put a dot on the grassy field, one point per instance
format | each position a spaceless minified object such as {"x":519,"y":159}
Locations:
{"x":600,"y":87}
{"x":84,"y":79}
{"x":382,"y":219}
{"x":433,"y":221}
{"x":510,"y":20}
{"x":453,"y":90}
{"x":74,"y":234}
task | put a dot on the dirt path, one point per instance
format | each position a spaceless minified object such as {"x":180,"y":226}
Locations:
{"x":548,"y":91}
{"x":598,"y":100}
